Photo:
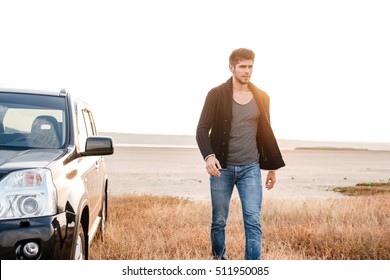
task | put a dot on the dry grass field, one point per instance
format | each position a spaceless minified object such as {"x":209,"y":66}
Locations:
{"x":144,"y":227}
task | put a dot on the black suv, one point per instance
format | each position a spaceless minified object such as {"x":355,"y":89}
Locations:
{"x":53,"y":178}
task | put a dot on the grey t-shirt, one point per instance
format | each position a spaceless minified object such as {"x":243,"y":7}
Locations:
{"x":242,"y":142}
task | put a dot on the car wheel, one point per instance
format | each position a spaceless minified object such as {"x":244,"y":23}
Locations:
{"x":104,"y":218}
{"x":80,"y":248}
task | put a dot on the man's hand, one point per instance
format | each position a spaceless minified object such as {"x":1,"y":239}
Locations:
{"x":213,"y":166}
{"x":271,"y":179}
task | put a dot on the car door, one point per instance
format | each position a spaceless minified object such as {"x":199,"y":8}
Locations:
{"x":90,"y":164}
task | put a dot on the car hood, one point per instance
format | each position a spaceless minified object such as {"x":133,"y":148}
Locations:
{"x":36,"y":158}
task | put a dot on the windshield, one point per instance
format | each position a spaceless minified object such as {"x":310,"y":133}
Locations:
{"x":32,"y":121}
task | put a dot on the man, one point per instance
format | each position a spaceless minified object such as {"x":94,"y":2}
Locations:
{"x":236,"y":140}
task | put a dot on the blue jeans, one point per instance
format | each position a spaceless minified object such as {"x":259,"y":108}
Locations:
{"x":247,"y":178}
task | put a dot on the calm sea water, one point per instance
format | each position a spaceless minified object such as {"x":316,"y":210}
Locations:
{"x":151,"y":140}
{"x":309,"y":173}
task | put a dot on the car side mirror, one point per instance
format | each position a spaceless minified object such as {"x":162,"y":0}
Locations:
{"x":98,"y":146}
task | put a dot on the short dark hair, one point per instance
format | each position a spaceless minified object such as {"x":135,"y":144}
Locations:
{"x":240,"y":54}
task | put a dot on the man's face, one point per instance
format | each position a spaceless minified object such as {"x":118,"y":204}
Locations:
{"x":243,"y":71}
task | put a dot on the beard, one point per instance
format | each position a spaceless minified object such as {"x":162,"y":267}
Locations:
{"x":242,"y":81}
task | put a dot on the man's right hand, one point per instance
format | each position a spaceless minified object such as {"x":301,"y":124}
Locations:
{"x":213,"y":166}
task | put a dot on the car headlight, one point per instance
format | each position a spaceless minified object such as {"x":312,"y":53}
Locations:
{"x":27,"y":193}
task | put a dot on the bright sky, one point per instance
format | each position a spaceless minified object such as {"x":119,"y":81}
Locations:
{"x":146,"y":66}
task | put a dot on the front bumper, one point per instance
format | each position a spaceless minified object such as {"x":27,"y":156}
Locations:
{"x":53,"y":235}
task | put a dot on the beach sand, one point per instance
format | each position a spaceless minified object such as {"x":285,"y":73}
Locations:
{"x":180,"y":172}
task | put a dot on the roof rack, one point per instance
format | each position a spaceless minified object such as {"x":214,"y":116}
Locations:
{"x":63,"y":91}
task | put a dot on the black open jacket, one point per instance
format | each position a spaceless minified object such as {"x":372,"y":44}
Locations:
{"x":212,"y":133}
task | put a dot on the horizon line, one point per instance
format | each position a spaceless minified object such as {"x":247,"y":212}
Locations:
{"x":279,"y":139}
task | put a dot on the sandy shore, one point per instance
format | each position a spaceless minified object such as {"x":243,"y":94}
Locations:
{"x":180,"y":172}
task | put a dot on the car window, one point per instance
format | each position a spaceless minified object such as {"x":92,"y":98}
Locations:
{"x":89,"y":124}
{"x":32,"y":121}
{"x":85,"y":124}
{"x":21,"y":120}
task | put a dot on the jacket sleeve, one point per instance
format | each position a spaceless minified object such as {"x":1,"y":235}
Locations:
{"x":270,"y":157}
{"x":205,"y":124}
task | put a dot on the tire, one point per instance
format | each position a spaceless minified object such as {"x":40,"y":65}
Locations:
{"x":103,"y":215}
{"x":104,"y":219}
{"x":80,"y":246}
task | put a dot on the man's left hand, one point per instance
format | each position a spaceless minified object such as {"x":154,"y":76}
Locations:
{"x":271,"y":179}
